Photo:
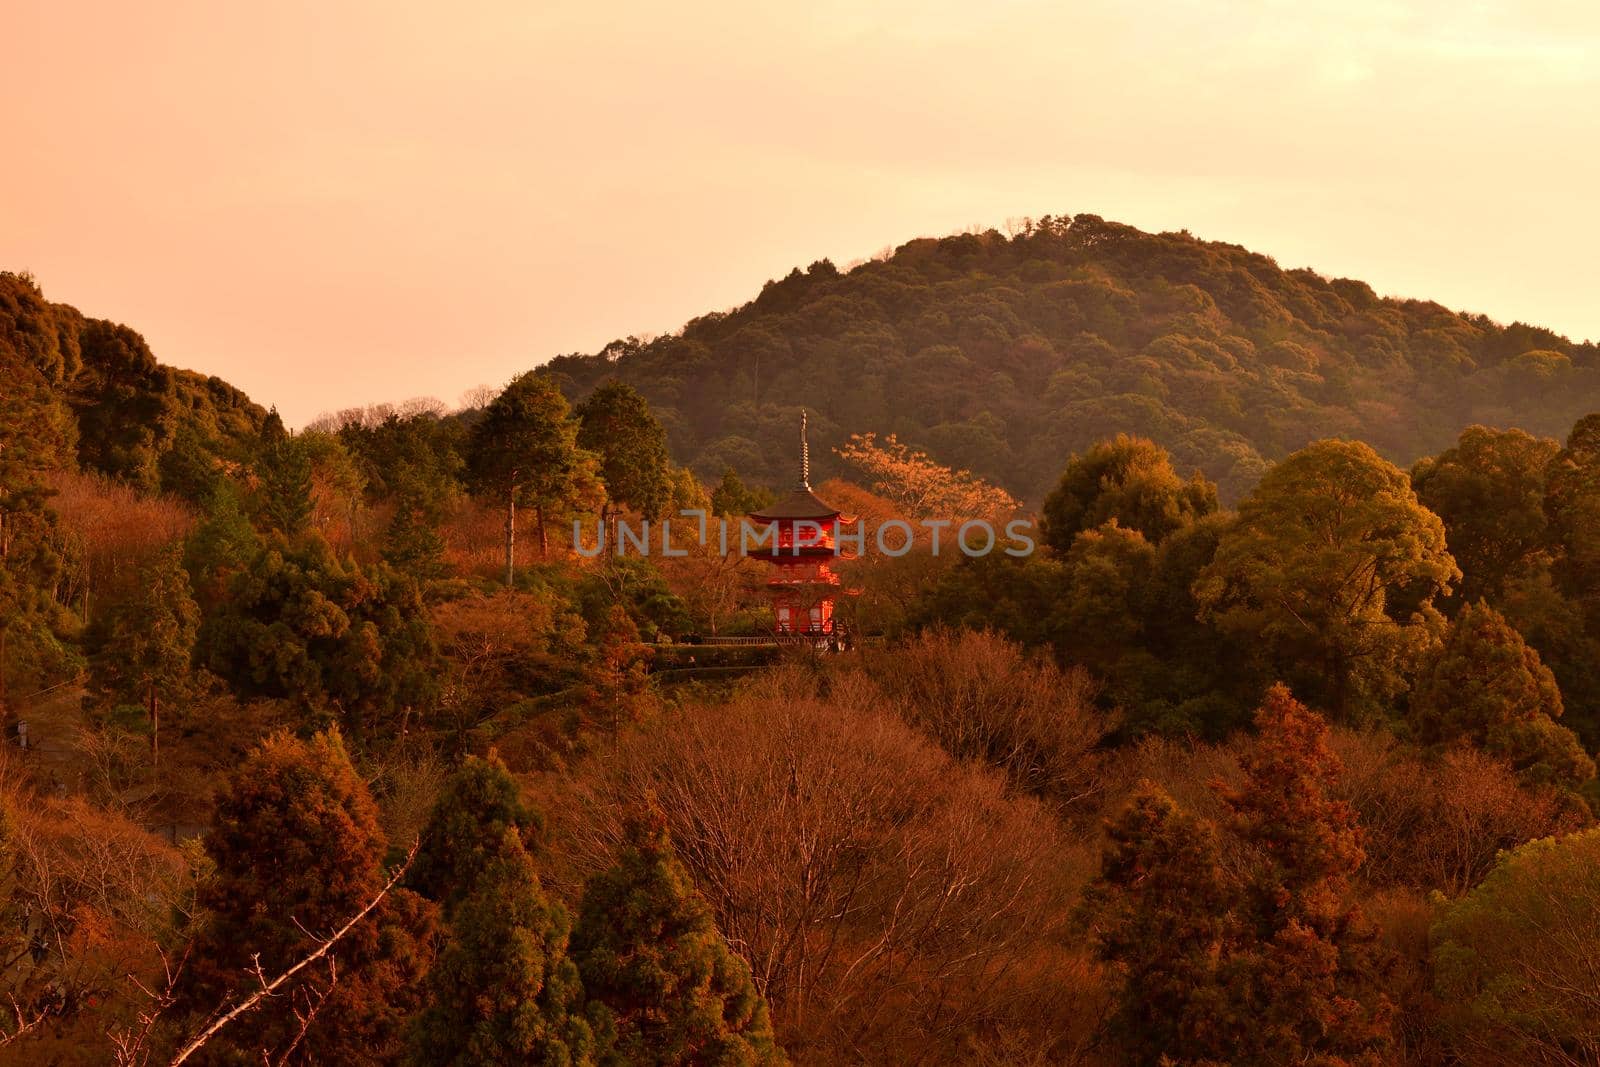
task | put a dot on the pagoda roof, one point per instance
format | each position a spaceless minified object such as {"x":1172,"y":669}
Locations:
{"x":801,"y":503}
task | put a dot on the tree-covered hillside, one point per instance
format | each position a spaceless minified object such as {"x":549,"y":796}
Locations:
{"x":1003,"y":355}
{"x":98,"y":384}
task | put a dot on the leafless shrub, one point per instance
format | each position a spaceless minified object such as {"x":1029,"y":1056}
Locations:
{"x":982,"y":697}
{"x":888,"y":899}
{"x":1437,"y":822}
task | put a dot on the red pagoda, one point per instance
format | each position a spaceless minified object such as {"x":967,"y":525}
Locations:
{"x":804,"y":585}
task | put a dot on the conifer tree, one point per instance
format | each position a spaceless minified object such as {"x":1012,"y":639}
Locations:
{"x":467,"y":827}
{"x":222,"y":544}
{"x":297,"y":850}
{"x":148,"y":651}
{"x":283,"y":471}
{"x":615,"y":424}
{"x":1301,"y":983}
{"x":524,"y":451}
{"x":1488,"y":687}
{"x":504,"y":990}
{"x":649,"y":951}
{"x":1160,"y":911}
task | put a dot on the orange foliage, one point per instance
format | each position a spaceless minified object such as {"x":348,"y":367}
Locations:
{"x":114,"y":530}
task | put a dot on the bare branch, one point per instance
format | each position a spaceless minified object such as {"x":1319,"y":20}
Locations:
{"x":270,"y":988}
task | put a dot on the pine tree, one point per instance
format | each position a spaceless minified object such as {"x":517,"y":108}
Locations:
{"x":283,"y":470}
{"x":615,"y":423}
{"x":524,"y":451}
{"x":1302,"y":982}
{"x":1488,"y":687}
{"x":222,"y":544}
{"x":504,"y":990}
{"x":466,"y":830}
{"x":617,"y":678}
{"x":147,"y":654}
{"x":649,"y":951}
{"x":1160,"y":910}
{"x":297,"y":848}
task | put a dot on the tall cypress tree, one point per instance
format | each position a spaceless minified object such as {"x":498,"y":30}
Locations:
{"x":147,"y":655}
{"x":504,"y":990}
{"x":1160,"y":911}
{"x":649,"y":950}
{"x":297,"y":851}
{"x":1488,"y":687}
{"x":1302,"y":984}
{"x":466,"y":830}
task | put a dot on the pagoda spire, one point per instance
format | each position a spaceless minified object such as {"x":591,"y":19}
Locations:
{"x":805,"y":454}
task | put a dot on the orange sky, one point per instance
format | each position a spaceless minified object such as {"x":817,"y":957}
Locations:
{"x":336,"y":203}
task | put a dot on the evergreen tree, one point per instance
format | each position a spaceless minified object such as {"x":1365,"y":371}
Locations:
{"x":733,"y":499}
{"x":411,"y":543}
{"x":283,"y":472}
{"x":36,"y":437}
{"x":467,"y":827}
{"x":1160,"y":911}
{"x":297,"y":850}
{"x":649,"y":951}
{"x":524,"y":451}
{"x":1489,"y":491}
{"x":222,"y":544}
{"x":1301,"y":983}
{"x":615,"y":424}
{"x":504,"y":990}
{"x":617,"y":677}
{"x":1572,"y":507}
{"x":1331,"y":570}
{"x":336,"y":637}
{"x":1131,"y":480}
{"x":149,"y":649}
{"x":1488,"y":687}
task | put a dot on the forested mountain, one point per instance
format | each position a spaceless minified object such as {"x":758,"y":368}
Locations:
{"x":1003,"y":355}
{"x":99,"y":386}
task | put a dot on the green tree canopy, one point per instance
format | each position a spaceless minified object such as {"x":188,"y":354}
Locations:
{"x":504,"y":990}
{"x":1514,"y":960}
{"x":649,"y":950}
{"x":148,"y":653}
{"x":1327,"y":553}
{"x":615,"y":423}
{"x":524,"y":450}
{"x":467,"y":827}
{"x":1488,"y":687}
{"x":1489,"y":492}
{"x":1131,"y":480}
{"x":335,"y":637}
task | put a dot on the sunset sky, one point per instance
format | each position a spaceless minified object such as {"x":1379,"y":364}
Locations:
{"x":336,"y":203}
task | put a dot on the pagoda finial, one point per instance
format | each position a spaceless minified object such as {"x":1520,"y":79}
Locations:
{"x":805,"y":454}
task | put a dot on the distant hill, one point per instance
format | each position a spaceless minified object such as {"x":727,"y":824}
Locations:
{"x":127,"y":410}
{"x":1004,"y":355}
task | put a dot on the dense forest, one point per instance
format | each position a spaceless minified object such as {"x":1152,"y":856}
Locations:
{"x":1001,"y":355}
{"x":329,"y":747}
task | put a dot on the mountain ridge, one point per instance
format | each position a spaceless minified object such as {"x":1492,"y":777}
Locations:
{"x":1005,"y":354}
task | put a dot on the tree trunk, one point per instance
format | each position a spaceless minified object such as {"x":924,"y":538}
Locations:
{"x":155,"y":728}
{"x":511,"y":538}
{"x":544,"y":539}
{"x":5,"y":707}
